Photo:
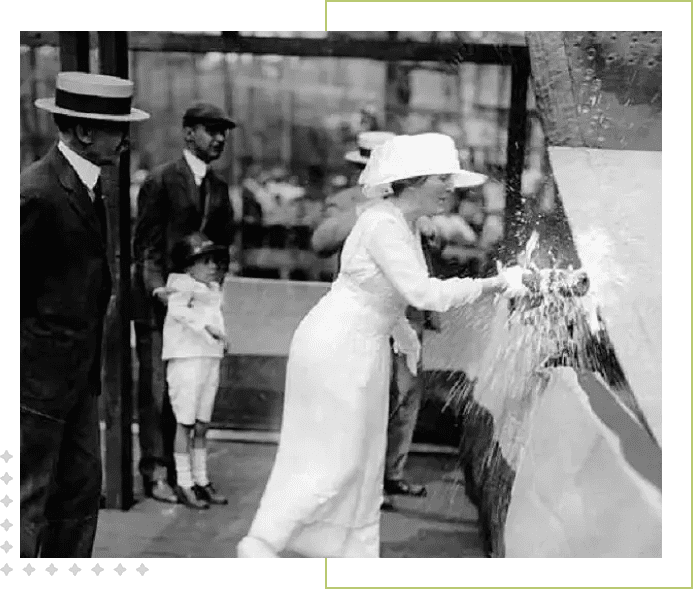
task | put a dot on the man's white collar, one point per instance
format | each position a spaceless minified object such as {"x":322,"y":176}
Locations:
{"x":87,"y":172}
{"x":198,"y":167}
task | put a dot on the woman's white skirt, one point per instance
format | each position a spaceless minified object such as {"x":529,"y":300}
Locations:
{"x":324,"y":493}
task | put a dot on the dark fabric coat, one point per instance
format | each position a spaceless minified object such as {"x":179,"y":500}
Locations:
{"x":65,"y":286}
{"x":168,"y":208}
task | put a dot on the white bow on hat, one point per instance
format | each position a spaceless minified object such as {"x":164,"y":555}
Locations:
{"x":367,"y":142}
{"x":408,"y":156}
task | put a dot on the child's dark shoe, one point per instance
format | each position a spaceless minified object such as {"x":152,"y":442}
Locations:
{"x":189,"y":497}
{"x":210,"y":495}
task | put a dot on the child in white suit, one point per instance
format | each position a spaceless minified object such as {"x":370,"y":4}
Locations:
{"x":194,"y":343}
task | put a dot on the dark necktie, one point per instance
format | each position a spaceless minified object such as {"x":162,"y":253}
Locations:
{"x":100,"y":209}
{"x":203,"y":196}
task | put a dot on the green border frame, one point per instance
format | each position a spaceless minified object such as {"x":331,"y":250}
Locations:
{"x":674,"y":569}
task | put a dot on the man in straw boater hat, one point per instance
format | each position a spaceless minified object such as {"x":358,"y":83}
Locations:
{"x":65,"y":289}
{"x":406,"y":389}
{"x":178,"y":198}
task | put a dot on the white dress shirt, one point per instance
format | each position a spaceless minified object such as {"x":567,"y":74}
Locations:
{"x":198,"y":167}
{"x":87,"y":172}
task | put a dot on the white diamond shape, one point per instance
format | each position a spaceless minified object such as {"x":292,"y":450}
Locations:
{"x":6,"y":501}
{"x":120,"y":569}
{"x":51,"y":570}
{"x":6,"y":478}
{"x":6,"y":456}
{"x":28,"y":569}
{"x":6,"y":546}
{"x":6,"y":524}
{"x":98,"y":569}
{"x":142,"y":569}
{"x":74,"y":569}
{"x":7,"y":569}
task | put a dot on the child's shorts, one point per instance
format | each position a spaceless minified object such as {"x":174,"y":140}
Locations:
{"x":192,"y":387}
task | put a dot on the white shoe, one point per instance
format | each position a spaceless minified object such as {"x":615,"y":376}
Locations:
{"x":251,"y":547}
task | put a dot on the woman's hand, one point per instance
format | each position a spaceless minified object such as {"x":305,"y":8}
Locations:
{"x":514,"y":280}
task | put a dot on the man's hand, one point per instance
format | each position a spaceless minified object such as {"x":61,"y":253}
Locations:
{"x":162,"y":293}
{"x":429,"y":230}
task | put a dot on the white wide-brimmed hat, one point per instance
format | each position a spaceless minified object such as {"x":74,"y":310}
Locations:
{"x":367,"y":142}
{"x":93,"y":96}
{"x":408,"y":156}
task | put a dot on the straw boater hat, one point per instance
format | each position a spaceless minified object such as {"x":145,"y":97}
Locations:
{"x":408,"y":156}
{"x":93,"y":96}
{"x":366,"y":143}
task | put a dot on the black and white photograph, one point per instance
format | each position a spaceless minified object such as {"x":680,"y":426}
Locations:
{"x":322,"y":294}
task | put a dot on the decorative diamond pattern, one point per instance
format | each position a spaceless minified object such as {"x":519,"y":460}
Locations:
{"x":51,"y":570}
{"x":6,"y":524}
{"x":6,"y":546}
{"x":6,"y":456}
{"x":7,"y":569}
{"x":142,"y":569}
{"x":120,"y":569}
{"x":74,"y":569}
{"x":98,"y":569}
{"x":6,"y":501}
{"x":6,"y":478}
{"x":28,"y":569}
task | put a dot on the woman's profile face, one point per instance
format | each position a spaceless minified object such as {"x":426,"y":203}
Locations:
{"x":435,"y":194}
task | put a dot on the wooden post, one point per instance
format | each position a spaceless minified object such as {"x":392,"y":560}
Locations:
{"x":34,"y":121}
{"x":397,"y":92}
{"x":74,"y":51}
{"x":113,"y":59}
{"x":515,"y":230}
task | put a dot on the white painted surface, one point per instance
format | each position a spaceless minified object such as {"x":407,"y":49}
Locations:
{"x":574,"y":493}
{"x":613,"y":200}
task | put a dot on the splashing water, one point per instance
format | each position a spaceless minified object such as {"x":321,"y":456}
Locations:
{"x":606,"y":275}
{"x":524,"y":340}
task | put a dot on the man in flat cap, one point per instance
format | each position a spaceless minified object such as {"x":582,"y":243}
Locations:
{"x":181,"y":197}
{"x":65,"y":290}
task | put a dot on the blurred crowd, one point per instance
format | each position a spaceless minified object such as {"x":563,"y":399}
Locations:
{"x":278,"y":210}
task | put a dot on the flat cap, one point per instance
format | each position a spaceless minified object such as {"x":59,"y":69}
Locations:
{"x":203,"y":112}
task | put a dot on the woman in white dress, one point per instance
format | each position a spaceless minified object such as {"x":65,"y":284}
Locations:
{"x":324,"y":493}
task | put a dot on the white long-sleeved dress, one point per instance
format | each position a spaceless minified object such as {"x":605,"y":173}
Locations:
{"x":324,"y":493}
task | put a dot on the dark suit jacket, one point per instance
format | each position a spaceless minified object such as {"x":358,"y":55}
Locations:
{"x":65,"y":285}
{"x":168,"y":208}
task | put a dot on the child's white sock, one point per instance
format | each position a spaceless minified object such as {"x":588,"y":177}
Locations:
{"x":183,"y":469}
{"x":199,"y":462}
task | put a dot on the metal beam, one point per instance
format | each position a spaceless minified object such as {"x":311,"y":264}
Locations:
{"x":515,"y":225}
{"x":113,"y":60}
{"x":74,"y":50}
{"x":452,"y":52}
